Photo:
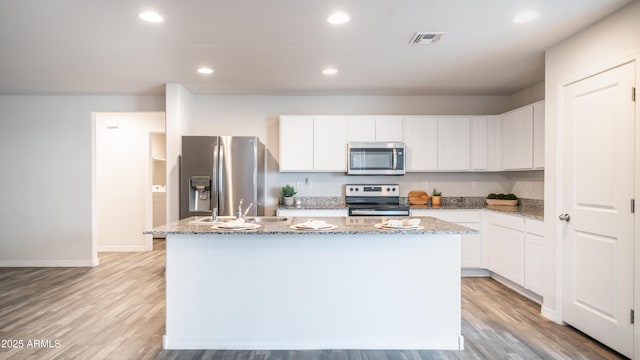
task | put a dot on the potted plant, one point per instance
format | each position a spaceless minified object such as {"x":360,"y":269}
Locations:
{"x":288,"y":192}
{"x":436,"y":198}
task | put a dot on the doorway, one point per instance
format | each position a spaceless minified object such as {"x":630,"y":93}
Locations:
{"x":598,"y":159}
{"x":126,"y":165}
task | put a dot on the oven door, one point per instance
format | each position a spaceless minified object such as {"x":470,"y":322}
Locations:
{"x":375,"y":159}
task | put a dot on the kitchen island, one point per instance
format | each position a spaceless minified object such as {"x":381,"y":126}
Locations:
{"x":354,"y":287}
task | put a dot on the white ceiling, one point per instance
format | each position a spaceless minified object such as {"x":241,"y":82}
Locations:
{"x":281,"y":46}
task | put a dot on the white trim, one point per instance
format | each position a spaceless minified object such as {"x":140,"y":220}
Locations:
{"x":550,"y":314}
{"x":537,"y":298}
{"x":475,"y":272}
{"x":108,"y":248}
{"x":369,"y":343}
{"x":50,"y":263}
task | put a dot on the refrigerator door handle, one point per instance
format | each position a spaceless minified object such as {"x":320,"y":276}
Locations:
{"x":214,"y":179}
{"x":220,"y":168}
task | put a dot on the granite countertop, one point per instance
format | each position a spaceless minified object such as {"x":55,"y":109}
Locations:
{"x":528,"y":207}
{"x":346,"y":226}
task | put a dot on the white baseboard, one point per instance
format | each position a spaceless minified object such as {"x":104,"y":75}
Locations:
{"x":137,"y":248}
{"x":517,"y":288}
{"x":550,"y":314}
{"x":49,"y":263}
{"x":473,"y":272}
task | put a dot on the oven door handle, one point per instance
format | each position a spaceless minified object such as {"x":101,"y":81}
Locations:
{"x":374,"y":212}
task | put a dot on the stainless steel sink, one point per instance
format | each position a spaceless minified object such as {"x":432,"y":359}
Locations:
{"x":208,"y":220}
{"x":267,"y":219}
{"x":251,"y":219}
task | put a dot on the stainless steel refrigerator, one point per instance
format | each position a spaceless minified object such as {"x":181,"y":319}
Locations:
{"x":219,"y":171}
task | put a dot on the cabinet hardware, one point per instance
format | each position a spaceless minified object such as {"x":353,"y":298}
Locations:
{"x":633,"y":205}
{"x":633,"y":94}
{"x":632,"y":318}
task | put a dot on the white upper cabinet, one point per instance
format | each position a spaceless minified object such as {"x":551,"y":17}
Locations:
{"x":538,"y":135}
{"x":421,"y":141}
{"x":517,"y":135}
{"x":479,"y":143}
{"x":361,"y":128}
{"x":374,"y":128}
{"x":389,"y":128}
{"x":309,"y":143}
{"x":453,"y":143}
{"x":296,"y":143}
{"x":329,"y":143}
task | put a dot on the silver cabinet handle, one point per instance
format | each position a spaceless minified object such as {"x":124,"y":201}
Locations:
{"x":564,"y":217}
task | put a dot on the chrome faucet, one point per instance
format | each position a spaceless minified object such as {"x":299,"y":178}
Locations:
{"x":246,"y":211}
{"x":239,"y":210}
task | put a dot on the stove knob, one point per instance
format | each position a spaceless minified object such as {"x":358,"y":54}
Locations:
{"x":388,"y":189}
{"x":357,"y":189}
{"x":393,"y":189}
{"x":350,"y":189}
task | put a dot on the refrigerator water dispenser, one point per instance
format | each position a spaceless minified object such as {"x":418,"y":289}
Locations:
{"x":200,"y":193}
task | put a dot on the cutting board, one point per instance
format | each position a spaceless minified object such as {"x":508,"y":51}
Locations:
{"x":418,"y":197}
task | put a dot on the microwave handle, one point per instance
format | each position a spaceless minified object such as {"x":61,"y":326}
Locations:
{"x":394,"y":160}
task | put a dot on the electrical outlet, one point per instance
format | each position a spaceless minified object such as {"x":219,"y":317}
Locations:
{"x":474,"y":185}
{"x":299,"y":185}
{"x":425,"y":185}
{"x":308,"y":184}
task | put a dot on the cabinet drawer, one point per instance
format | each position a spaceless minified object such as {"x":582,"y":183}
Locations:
{"x":507,"y":221}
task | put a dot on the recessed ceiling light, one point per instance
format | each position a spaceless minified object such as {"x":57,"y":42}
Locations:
{"x":205,"y":70}
{"x":525,"y":16}
{"x":151,"y":16}
{"x":338,"y":18}
{"x":330,"y":71}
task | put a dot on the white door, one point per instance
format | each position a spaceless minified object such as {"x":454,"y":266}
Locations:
{"x":598,"y":166}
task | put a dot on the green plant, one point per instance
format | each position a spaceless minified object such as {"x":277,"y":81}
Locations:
{"x":502,"y":196}
{"x":288,"y":191}
{"x":436,"y":193}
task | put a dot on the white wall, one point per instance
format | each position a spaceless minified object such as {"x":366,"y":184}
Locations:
{"x":46,"y":178}
{"x":123,"y":179}
{"x":607,"y":43}
{"x":180,"y":112}
{"x":258,"y":115}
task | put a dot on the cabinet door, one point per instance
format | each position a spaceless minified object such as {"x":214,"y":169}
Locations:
{"x":361,"y":128}
{"x":534,"y":256}
{"x":453,"y":143}
{"x":538,"y":135}
{"x":494,"y":143}
{"x":518,"y":138}
{"x":497,"y":250}
{"x":296,"y":143}
{"x":479,"y":144}
{"x":329,"y":143}
{"x":514,"y":241}
{"x":389,"y":128}
{"x":421,"y":142}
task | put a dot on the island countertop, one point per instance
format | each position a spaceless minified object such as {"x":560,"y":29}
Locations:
{"x":346,"y":226}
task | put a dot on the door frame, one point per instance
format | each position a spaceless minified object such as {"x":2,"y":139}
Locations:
{"x":557,"y":203}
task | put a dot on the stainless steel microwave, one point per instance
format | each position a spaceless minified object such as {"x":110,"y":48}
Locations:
{"x":375,"y":158}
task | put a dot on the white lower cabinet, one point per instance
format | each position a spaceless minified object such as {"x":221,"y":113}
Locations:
{"x":515,"y":249}
{"x":471,"y":244}
{"x":313,"y":212}
{"x":534,"y":262}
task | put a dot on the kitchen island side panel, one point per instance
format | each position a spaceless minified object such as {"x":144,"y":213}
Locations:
{"x":313,"y":291}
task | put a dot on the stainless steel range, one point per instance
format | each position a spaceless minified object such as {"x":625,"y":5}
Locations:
{"x":374,"y":200}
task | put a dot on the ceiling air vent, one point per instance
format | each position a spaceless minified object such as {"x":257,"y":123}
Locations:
{"x":425,"y":38}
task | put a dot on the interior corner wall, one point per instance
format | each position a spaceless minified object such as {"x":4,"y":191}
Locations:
{"x":180,"y":113}
{"x":527,"y":96}
{"x":607,"y":43}
{"x":46,"y":147}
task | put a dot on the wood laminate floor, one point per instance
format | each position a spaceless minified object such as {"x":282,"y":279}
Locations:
{"x":116,"y":311}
